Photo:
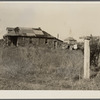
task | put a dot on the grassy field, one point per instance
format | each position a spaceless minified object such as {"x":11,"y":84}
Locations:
{"x":29,"y":68}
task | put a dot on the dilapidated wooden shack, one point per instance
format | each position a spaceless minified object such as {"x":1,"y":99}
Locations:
{"x":22,"y":36}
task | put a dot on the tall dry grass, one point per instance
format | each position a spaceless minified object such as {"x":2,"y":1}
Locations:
{"x":49,"y":69}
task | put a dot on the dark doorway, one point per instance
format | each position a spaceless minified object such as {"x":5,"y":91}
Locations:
{"x":14,"y":40}
{"x":55,"y":44}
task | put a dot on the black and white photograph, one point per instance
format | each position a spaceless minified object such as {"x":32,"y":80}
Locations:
{"x":49,"y":45}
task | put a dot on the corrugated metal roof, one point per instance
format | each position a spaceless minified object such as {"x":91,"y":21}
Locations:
{"x":24,"y":31}
{"x":30,"y":31}
{"x":9,"y":28}
{"x":47,"y":35}
{"x":28,"y":34}
{"x":38,"y":32}
{"x":12,"y":33}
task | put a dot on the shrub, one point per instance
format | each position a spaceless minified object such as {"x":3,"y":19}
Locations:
{"x":94,"y":53}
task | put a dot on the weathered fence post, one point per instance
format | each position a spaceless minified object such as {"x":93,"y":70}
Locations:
{"x":86,"y":59}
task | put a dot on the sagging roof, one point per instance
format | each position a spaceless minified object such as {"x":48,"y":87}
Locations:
{"x":24,"y":31}
{"x":22,"y":34}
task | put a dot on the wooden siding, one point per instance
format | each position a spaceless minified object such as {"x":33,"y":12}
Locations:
{"x":31,"y":41}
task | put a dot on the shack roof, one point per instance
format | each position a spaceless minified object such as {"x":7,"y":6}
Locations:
{"x":24,"y":31}
{"x":48,"y":35}
{"x":10,"y":28}
{"x":23,"y":34}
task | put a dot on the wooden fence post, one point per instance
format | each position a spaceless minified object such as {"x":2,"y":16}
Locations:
{"x":86,"y":59}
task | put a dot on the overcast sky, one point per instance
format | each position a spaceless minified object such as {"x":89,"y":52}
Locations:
{"x":82,"y":18}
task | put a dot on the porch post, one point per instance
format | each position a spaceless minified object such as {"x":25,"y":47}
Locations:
{"x":7,"y":40}
{"x":17,"y":42}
